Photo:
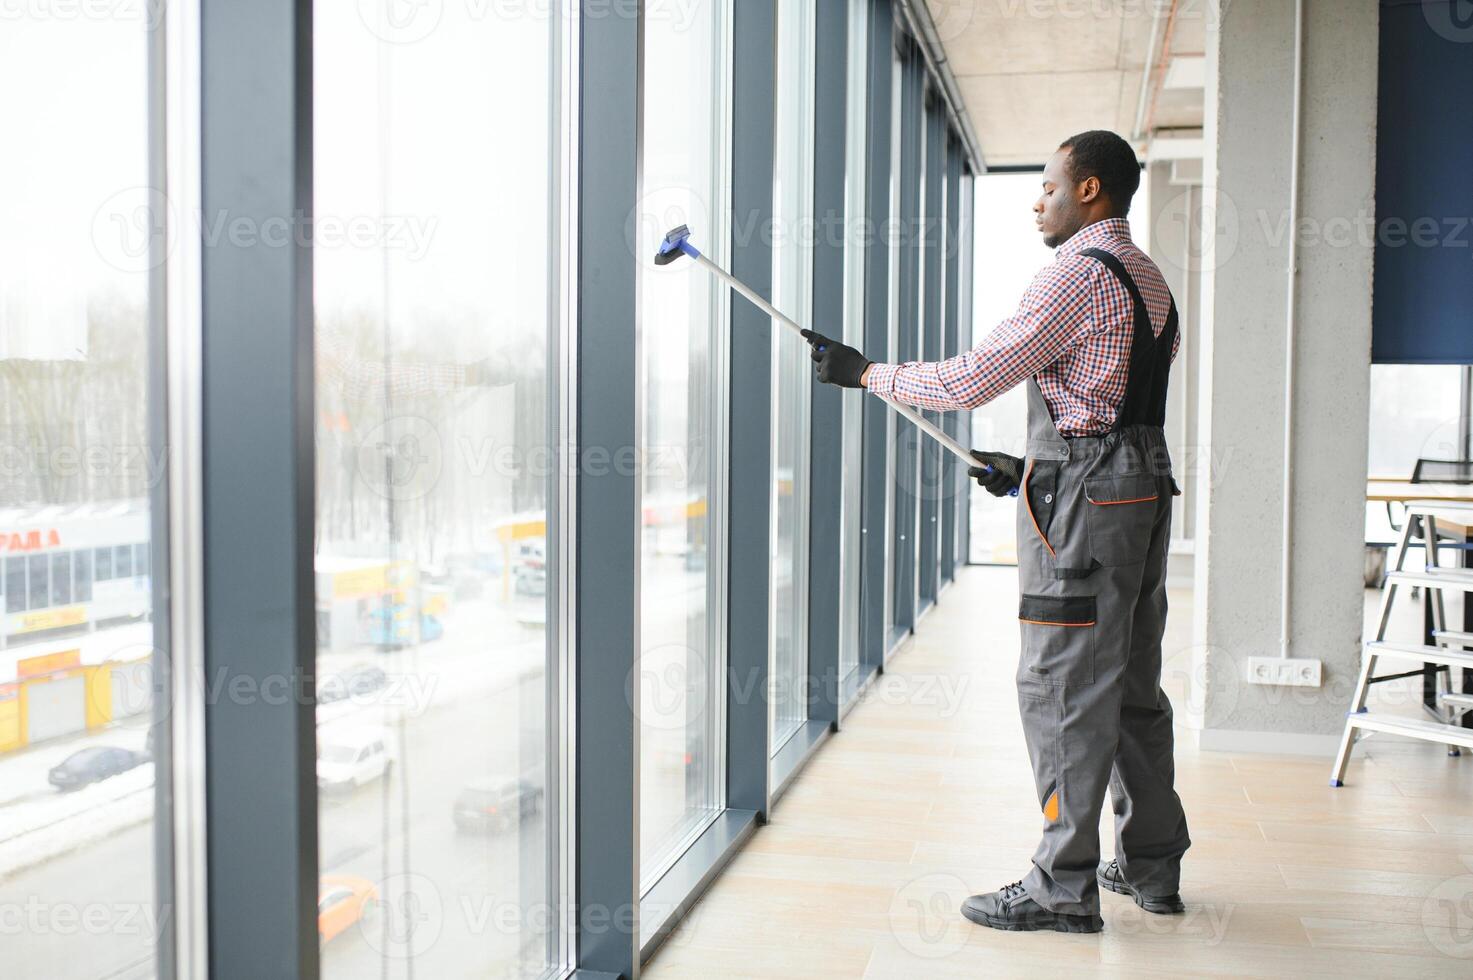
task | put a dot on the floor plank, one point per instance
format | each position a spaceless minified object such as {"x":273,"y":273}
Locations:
{"x":925,"y":797}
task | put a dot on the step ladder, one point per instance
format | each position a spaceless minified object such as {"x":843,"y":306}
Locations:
{"x":1450,"y":649}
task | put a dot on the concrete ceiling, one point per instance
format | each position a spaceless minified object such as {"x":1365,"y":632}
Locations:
{"x":1033,"y":72}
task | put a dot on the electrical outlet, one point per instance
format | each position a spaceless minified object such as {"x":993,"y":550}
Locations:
{"x":1284,"y":671}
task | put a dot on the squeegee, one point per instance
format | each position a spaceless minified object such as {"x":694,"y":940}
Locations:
{"x":677,"y":243}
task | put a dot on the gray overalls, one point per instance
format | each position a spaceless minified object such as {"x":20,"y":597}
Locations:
{"x":1094,"y":521}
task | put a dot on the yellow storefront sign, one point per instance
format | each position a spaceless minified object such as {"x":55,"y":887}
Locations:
{"x":50,"y":619}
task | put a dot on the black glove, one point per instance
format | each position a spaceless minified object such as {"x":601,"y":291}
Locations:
{"x":838,"y":364}
{"x":1000,"y":474}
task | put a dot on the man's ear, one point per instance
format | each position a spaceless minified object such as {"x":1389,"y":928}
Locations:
{"x":1089,"y":190}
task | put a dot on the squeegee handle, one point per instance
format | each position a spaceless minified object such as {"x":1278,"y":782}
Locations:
{"x":905,"y":411}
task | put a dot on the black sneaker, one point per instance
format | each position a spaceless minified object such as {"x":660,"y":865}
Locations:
{"x":1111,"y":879}
{"x":1011,"y":908}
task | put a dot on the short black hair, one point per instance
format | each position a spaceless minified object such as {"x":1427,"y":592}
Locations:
{"x":1103,"y":154}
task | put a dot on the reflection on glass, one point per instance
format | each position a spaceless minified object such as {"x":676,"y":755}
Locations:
{"x":681,"y":323}
{"x":857,"y":135}
{"x":76,"y":642}
{"x":437,"y":255}
{"x":792,"y":289}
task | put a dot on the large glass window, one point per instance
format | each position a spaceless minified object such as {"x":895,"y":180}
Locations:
{"x":1005,"y":261}
{"x":792,"y":288}
{"x":855,"y":240}
{"x":683,"y":330}
{"x":77,"y":868}
{"x":441,"y":197}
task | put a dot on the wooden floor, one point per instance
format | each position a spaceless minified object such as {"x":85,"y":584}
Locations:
{"x":925,"y":797}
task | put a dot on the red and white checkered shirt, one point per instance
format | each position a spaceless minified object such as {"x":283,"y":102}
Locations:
{"x":1072,"y":331}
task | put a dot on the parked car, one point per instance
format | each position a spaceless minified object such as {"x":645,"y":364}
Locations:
{"x":92,"y":765}
{"x":529,"y":568}
{"x":356,"y":681}
{"x":496,"y":805}
{"x":342,"y":901}
{"x":349,"y":757}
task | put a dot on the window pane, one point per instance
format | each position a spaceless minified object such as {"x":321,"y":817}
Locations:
{"x":1005,"y":262}
{"x":682,"y":326}
{"x":104,"y":563}
{"x":82,"y":575}
{"x":61,"y":579}
{"x":792,"y":289}
{"x":40,"y":581}
{"x":77,"y":869}
{"x":123,"y":561}
{"x":855,"y":161}
{"x":437,"y":169}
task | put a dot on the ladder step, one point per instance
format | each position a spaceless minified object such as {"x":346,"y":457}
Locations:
{"x":1427,"y":731}
{"x":1447,"y":578}
{"x":1454,"y":636}
{"x":1420,"y":654}
{"x":1460,"y":701}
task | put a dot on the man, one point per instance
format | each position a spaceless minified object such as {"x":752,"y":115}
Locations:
{"x":1094,"y":338}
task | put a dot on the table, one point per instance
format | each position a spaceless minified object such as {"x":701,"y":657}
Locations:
{"x":1455,"y":523}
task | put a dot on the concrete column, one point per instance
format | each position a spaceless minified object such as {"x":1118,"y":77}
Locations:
{"x":1173,"y":239}
{"x":1241,"y":528}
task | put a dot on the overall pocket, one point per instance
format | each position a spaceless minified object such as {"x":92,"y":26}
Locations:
{"x":1121,"y":512}
{"x":1058,"y":641}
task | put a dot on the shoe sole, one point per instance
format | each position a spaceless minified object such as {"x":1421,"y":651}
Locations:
{"x":1157,"y":906}
{"x":1057,"y":922}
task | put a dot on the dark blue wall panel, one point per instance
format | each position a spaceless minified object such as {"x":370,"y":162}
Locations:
{"x":1423,"y":311}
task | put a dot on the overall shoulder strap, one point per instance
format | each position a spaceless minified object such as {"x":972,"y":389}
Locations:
{"x":1145,"y":384}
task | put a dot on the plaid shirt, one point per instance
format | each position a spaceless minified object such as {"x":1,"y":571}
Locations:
{"x":1072,"y":332}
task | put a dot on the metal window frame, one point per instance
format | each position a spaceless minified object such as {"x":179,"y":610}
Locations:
{"x":952,"y":483}
{"x":256,"y":421}
{"x":877,"y":439}
{"x":908,"y":316}
{"x":932,"y":324}
{"x":176,"y":422}
{"x":828,"y":526}
{"x":607,"y":606}
{"x":964,"y":329}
